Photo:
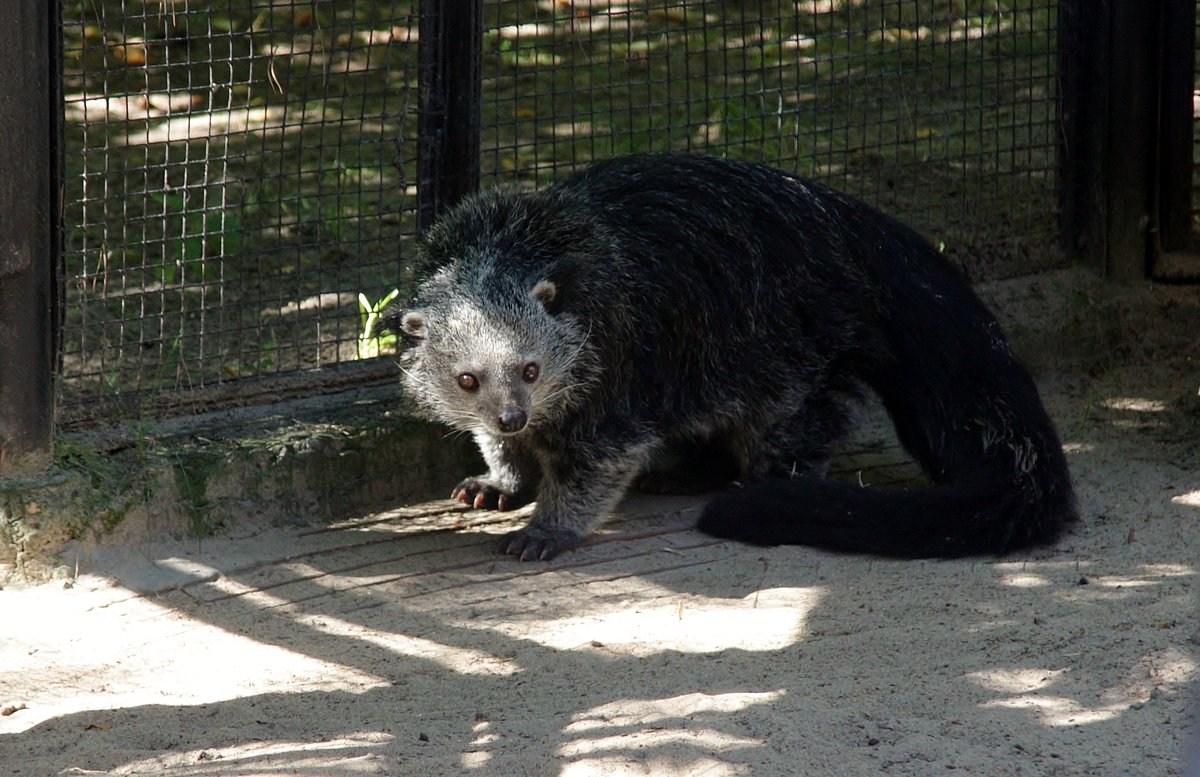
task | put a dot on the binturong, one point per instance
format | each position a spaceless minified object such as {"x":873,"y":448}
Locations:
{"x":684,"y":302}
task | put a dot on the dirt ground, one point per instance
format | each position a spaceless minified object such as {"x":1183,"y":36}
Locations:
{"x":399,"y":643}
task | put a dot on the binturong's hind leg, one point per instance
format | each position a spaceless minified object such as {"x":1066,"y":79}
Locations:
{"x":802,"y":443}
{"x":577,"y":492}
{"x":691,"y":466}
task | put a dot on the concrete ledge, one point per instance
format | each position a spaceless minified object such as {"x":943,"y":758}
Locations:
{"x":309,"y":460}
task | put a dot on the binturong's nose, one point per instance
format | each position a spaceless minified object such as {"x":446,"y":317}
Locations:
{"x":512,"y":420}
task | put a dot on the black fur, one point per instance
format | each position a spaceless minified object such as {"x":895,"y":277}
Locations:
{"x":686,"y":299}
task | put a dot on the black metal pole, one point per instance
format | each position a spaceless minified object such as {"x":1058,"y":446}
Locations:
{"x":1177,"y":53}
{"x":1132,"y":136}
{"x":30,"y":104}
{"x":1083,"y":43}
{"x":450,"y":62}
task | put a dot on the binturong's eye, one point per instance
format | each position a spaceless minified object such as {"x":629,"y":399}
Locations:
{"x":530,"y":374}
{"x":468,"y":382}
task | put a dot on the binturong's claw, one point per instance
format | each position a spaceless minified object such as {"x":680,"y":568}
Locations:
{"x":535,"y":543}
{"x":480,"y":493}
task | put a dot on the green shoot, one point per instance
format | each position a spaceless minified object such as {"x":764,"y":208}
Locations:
{"x":370,"y":343}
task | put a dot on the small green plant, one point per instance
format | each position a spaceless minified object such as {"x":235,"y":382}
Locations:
{"x":239,"y":368}
{"x":370,"y":342}
{"x":333,"y":208}
{"x":525,"y":54}
{"x":194,"y":236}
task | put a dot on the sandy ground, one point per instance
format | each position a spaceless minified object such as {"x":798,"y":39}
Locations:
{"x":399,"y":643}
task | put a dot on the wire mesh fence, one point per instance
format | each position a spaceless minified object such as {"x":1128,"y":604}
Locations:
{"x":238,"y":172}
{"x":940,"y":112}
{"x":236,"y":175}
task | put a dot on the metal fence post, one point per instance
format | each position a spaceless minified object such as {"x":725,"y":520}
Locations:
{"x":30,"y":104}
{"x":451,"y":56}
{"x":1132,"y":136}
{"x":1083,"y":44}
{"x":1125,"y":149}
{"x":1176,"y":256}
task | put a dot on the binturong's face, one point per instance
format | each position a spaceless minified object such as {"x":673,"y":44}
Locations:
{"x":480,"y":365}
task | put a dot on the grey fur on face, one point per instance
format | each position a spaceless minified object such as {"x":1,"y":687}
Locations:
{"x":519,"y":357}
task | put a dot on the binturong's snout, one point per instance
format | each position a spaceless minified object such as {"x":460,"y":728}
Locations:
{"x":512,"y":420}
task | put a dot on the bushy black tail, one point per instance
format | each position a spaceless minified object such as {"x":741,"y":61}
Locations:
{"x":980,"y":433}
{"x":982,"y":436}
{"x":963,"y":406}
{"x":962,"y":519}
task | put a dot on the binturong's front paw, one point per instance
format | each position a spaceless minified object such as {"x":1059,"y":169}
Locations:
{"x":537,"y":543}
{"x":483,"y":493}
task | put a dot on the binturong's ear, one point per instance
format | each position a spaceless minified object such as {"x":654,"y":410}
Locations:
{"x":554,"y":290}
{"x":408,"y":324}
{"x":545,"y":293}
